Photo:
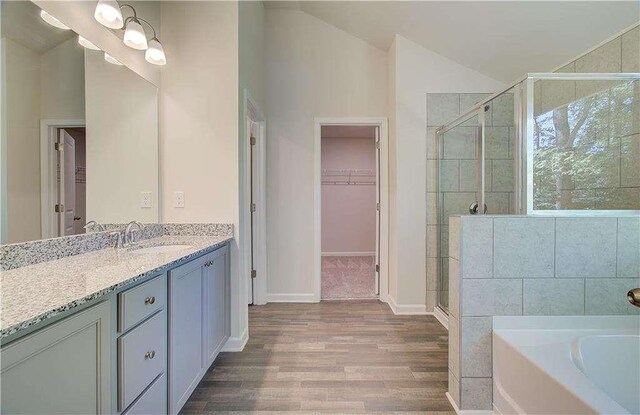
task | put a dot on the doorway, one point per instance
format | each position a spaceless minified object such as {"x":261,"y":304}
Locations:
{"x":63,"y":177}
{"x":350,"y":204}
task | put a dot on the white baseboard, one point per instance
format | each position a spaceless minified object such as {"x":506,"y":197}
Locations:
{"x":348,"y":254}
{"x":236,"y":344}
{"x":441,"y":317}
{"x":407,"y":309}
{"x":466,"y":411}
{"x":291,"y":298}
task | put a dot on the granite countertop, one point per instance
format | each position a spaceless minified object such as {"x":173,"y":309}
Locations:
{"x":34,"y":293}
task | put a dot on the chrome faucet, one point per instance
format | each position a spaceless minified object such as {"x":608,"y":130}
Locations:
{"x":634,"y":297}
{"x":129,"y":231}
{"x":101,"y":228}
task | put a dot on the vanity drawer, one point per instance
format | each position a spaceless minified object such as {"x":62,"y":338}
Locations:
{"x":142,"y":301}
{"x":141,"y":358}
{"x":153,"y":401}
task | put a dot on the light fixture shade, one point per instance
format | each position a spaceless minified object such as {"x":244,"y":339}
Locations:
{"x":108,"y":14}
{"x":86,"y":44}
{"x":155,"y":53}
{"x":134,"y":36}
{"x":52,"y":20}
{"x":111,"y":59}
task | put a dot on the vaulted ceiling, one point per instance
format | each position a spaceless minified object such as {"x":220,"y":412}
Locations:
{"x":501,"y":39}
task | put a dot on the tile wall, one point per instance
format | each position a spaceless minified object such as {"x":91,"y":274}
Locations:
{"x":525,"y":265}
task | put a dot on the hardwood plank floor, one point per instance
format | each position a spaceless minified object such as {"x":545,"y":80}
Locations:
{"x":331,"y":357}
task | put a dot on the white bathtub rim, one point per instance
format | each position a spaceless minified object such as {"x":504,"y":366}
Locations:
{"x":555,"y":360}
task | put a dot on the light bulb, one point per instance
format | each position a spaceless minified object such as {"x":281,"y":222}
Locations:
{"x":155,"y":53}
{"x":111,"y":59}
{"x":134,"y":36}
{"x":108,"y":14}
{"x":86,"y":44}
{"x":52,"y":20}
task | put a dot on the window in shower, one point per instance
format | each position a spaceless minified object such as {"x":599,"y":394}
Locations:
{"x":585,"y":145}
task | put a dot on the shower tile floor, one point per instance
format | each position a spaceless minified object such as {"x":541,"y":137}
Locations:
{"x":348,"y":277}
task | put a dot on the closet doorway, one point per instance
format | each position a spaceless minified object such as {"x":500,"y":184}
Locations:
{"x":350,"y":205}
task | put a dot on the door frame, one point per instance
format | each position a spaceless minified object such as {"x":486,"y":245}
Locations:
{"x":48,"y":185}
{"x":253,"y":112}
{"x":382,"y":124}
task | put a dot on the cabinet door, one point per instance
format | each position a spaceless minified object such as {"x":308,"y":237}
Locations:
{"x":217,"y":304}
{"x":186,"y":337}
{"x":61,"y":369}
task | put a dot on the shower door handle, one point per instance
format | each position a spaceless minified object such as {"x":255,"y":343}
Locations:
{"x":473,"y":208}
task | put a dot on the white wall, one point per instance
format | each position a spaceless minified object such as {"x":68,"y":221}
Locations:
{"x":418,"y":71}
{"x":122,"y":145}
{"x":62,"y":82}
{"x":22,"y":71}
{"x":199,"y":123}
{"x":312,"y":70}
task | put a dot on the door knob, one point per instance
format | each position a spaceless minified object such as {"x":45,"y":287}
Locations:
{"x":634,"y":297}
{"x":473,"y":208}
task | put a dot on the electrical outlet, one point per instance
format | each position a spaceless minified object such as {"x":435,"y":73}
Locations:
{"x":145,"y":200}
{"x":178,"y":199}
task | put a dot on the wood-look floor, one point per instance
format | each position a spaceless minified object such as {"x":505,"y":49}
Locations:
{"x":339,"y":357}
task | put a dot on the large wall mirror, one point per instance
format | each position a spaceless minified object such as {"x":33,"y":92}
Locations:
{"x":79,"y":132}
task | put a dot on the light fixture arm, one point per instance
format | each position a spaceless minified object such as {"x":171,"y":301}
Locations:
{"x":155,"y":37}
{"x":135,"y":15}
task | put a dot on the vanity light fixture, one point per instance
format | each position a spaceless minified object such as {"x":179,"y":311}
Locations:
{"x":86,"y":44}
{"x":134,"y":35}
{"x":109,"y":14}
{"x":52,"y":20}
{"x":111,"y":59}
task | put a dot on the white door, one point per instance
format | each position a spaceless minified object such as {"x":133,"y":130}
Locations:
{"x":377,"y":265}
{"x":253,"y":163}
{"x":67,"y":183}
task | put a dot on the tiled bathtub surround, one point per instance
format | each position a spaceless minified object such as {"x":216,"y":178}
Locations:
{"x":28,"y":253}
{"x":531,"y":266}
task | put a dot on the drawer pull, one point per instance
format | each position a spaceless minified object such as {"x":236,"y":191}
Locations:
{"x":150,"y":300}
{"x":150,"y":355}
{"x":208,"y":263}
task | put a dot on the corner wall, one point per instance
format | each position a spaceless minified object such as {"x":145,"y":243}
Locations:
{"x":418,"y":71}
{"x":199,"y":125}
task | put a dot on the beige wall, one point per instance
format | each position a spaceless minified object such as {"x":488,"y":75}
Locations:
{"x":22,"y":122}
{"x":199,"y":124}
{"x":62,"y":82}
{"x":122,"y":145}
{"x":312,"y":70}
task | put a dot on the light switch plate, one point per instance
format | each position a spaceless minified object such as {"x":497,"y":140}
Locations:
{"x":178,"y":199}
{"x":145,"y":200}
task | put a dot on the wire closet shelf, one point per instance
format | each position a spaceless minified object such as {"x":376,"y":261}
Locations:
{"x":348,"y":177}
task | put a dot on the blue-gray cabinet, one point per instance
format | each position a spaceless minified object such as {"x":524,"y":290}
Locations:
{"x":199,"y":322}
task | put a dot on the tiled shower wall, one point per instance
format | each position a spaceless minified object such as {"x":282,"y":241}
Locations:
{"x":526,"y":265}
{"x":458,"y":182}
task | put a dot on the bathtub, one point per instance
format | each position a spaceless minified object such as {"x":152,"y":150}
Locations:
{"x":566,"y":365}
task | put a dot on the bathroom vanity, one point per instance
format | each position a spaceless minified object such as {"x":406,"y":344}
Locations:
{"x":127,"y":331}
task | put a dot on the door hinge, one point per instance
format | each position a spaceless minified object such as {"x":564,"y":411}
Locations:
{"x":58,"y":146}
{"x":378,"y":207}
{"x":253,"y":207}
{"x":377,"y":268}
{"x":378,"y":145}
{"x":254,"y":274}
{"x":252,"y":141}
{"x":59,"y":208}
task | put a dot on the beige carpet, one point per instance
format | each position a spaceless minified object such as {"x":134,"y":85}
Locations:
{"x":348,"y":277}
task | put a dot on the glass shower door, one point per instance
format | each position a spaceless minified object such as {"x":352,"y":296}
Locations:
{"x":459,"y":188}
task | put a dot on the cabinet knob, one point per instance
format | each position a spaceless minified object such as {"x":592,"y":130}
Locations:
{"x":150,"y":354}
{"x":150,"y":300}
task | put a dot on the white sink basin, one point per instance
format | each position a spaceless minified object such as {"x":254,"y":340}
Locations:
{"x":159,"y":249}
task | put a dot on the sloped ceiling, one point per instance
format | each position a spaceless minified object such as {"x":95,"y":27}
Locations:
{"x":501,"y":39}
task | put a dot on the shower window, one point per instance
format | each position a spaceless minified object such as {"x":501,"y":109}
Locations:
{"x":585,"y":145}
